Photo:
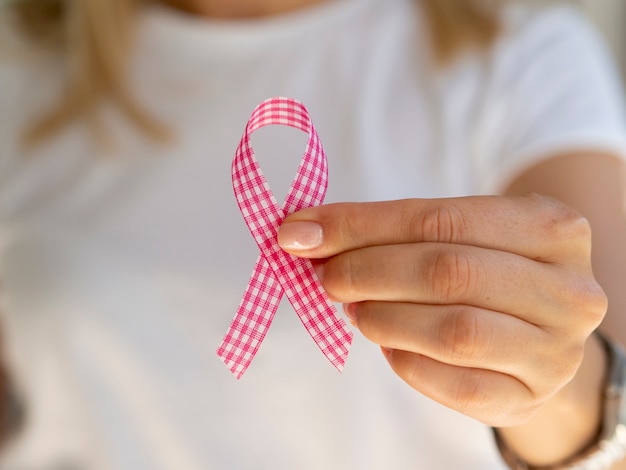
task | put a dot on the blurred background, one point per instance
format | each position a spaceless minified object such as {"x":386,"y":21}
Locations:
{"x":610,"y":17}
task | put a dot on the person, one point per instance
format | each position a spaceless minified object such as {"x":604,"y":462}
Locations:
{"x":472,"y":150}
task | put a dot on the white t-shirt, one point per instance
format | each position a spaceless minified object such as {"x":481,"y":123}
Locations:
{"x":122,"y":272}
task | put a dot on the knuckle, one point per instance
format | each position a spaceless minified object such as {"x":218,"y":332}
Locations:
{"x":470,"y":395}
{"x":474,"y":395}
{"x":561,"y":223}
{"x":560,"y":360}
{"x":562,"y":371}
{"x":453,"y":274}
{"x":440,"y":223}
{"x":568,"y":369}
{"x":588,"y":298}
{"x":462,"y":337}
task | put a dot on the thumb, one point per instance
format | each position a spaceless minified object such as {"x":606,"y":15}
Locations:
{"x":324,"y":231}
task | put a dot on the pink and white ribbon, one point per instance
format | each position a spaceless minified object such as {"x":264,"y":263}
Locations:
{"x":277,"y":272}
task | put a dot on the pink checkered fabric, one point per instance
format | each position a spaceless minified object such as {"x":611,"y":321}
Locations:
{"x":277,"y":272}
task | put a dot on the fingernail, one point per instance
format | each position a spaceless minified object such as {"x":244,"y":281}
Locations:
{"x":350,"y":311}
{"x":300,"y":235}
{"x":319,"y":270}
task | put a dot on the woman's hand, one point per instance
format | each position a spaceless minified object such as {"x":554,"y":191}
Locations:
{"x":481,"y":303}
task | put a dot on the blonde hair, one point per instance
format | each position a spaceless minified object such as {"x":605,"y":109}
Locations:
{"x":96,"y":37}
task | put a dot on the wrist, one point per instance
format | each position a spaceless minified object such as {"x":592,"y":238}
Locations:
{"x":607,"y":444}
{"x":569,"y":421}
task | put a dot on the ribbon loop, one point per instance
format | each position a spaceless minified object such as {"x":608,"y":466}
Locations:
{"x":277,"y":272}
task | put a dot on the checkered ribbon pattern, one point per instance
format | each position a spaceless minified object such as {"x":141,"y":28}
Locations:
{"x":277,"y":272}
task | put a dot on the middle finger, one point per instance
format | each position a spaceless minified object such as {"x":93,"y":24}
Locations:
{"x":446,"y":274}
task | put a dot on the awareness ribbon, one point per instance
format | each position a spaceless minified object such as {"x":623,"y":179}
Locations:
{"x":277,"y":272}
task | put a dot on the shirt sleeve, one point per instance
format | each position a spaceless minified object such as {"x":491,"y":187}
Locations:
{"x":554,"y":88}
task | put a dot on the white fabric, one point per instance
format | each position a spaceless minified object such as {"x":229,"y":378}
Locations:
{"x":121,"y":269}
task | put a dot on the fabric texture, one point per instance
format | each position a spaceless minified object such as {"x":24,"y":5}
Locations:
{"x":122,"y":267}
{"x":276,"y":272}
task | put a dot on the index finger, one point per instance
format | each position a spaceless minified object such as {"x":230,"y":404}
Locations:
{"x":532,"y":226}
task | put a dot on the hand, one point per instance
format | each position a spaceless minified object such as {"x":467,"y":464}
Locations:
{"x":482,"y":303}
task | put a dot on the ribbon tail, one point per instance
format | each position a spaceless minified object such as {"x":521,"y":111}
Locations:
{"x":252,"y":320}
{"x":330,"y":334}
{"x":318,"y":314}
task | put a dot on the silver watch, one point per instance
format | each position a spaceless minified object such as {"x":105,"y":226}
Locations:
{"x":610,"y":444}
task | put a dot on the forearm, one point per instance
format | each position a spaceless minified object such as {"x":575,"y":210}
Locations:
{"x":569,"y":423}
